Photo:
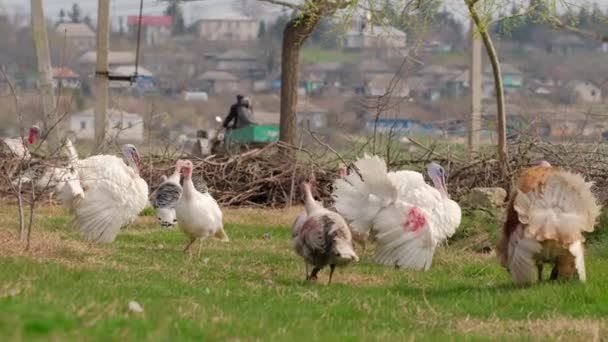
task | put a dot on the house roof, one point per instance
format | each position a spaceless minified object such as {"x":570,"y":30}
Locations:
{"x":567,"y":39}
{"x":214,"y":75}
{"x":114,"y":57}
{"x":505,"y":68}
{"x":130,"y":70}
{"x":74,"y":30}
{"x":64,"y":73}
{"x":150,"y":20}
{"x":236,"y":54}
{"x":417,"y":82}
{"x":382,"y":80}
{"x":373,"y":65}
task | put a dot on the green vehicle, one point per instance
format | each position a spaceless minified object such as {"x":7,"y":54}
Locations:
{"x":248,"y":137}
{"x":235,"y":140}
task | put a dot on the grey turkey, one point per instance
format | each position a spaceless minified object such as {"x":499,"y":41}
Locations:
{"x":321,"y":237}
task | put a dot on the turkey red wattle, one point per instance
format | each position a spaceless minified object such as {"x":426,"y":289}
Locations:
{"x":414,"y":220}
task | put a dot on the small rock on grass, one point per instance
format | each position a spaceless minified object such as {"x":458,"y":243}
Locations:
{"x":135,"y":307}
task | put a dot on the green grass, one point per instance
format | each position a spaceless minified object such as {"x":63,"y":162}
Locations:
{"x":320,"y":55}
{"x":252,"y":289}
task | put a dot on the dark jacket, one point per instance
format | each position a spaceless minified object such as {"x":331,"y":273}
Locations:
{"x":241,"y":114}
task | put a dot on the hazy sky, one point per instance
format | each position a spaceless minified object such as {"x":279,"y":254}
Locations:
{"x":192,"y":10}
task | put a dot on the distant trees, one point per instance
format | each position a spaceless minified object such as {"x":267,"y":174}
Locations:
{"x":532,"y":24}
{"x":61,"y":15}
{"x":75,"y":14}
{"x":174,"y":10}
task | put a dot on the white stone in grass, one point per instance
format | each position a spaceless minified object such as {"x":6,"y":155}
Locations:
{"x":135,"y":307}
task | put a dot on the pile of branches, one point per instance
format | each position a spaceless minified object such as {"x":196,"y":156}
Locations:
{"x":267,"y":177}
{"x":270,"y":176}
{"x":590,"y":160}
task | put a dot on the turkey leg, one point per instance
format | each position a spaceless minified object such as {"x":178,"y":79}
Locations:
{"x":331,"y":272}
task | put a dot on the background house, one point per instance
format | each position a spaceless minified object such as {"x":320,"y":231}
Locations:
{"x":217,"y":82}
{"x":145,"y":78}
{"x":156,"y":29}
{"x":78,"y":35}
{"x":122,"y":126}
{"x":380,"y":85}
{"x":378,"y":39}
{"x":65,"y":78}
{"x":227,"y":26}
{"x":239,"y":63}
{"x":565,"y":44}
{"x":115,"y":59}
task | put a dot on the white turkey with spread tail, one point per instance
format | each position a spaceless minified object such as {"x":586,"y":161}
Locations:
{"x":198,"y":214}
{"x":114,"y":194}
{"x":407,"y":217}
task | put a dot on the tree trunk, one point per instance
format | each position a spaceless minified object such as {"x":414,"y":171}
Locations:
{"x":295,"y":33}
{"x":501,"y":126}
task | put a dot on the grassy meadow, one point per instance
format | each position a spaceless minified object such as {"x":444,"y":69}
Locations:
{"x":253,"y":289}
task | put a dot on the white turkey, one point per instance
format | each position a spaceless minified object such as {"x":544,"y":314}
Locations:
{"x":198,"y":214}
{"x":52,"y":178}
{"x":15,"y":153}
{"x":114,"y":194}
{"x":547,"y":214}
{"x":407,"y":217}
{"x":321,"y":237}
{"x":16,"y":148}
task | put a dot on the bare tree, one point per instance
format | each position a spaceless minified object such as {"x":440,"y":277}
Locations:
{"x":501,"y":121}
{"x":298,"y":29}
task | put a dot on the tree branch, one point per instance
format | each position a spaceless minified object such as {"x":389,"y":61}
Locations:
{"x":585,"y":33}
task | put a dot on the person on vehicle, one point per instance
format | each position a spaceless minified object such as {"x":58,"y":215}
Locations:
{"x":241,"y":113}
{"x":232,"y":114}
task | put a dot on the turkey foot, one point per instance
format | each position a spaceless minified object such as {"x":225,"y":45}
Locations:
{"x":313,"y":274}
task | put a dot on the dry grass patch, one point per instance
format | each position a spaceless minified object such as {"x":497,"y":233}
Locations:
{"x":553,"y":328}
{"x":45,"y":246}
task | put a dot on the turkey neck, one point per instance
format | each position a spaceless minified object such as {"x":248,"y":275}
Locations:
{"x":309,"y":202}
{"x":188,"y":185}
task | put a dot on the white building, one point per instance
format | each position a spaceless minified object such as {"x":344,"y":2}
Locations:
{"x":375,"y":38}
{"x":122,"y":126}
{"x":229,"y":26}
{"x":79,"y":35}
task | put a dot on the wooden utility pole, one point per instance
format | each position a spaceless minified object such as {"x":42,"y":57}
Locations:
{"x":475,"y":90}
{"x":101,"y":71}
{"x":51,"y":126}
